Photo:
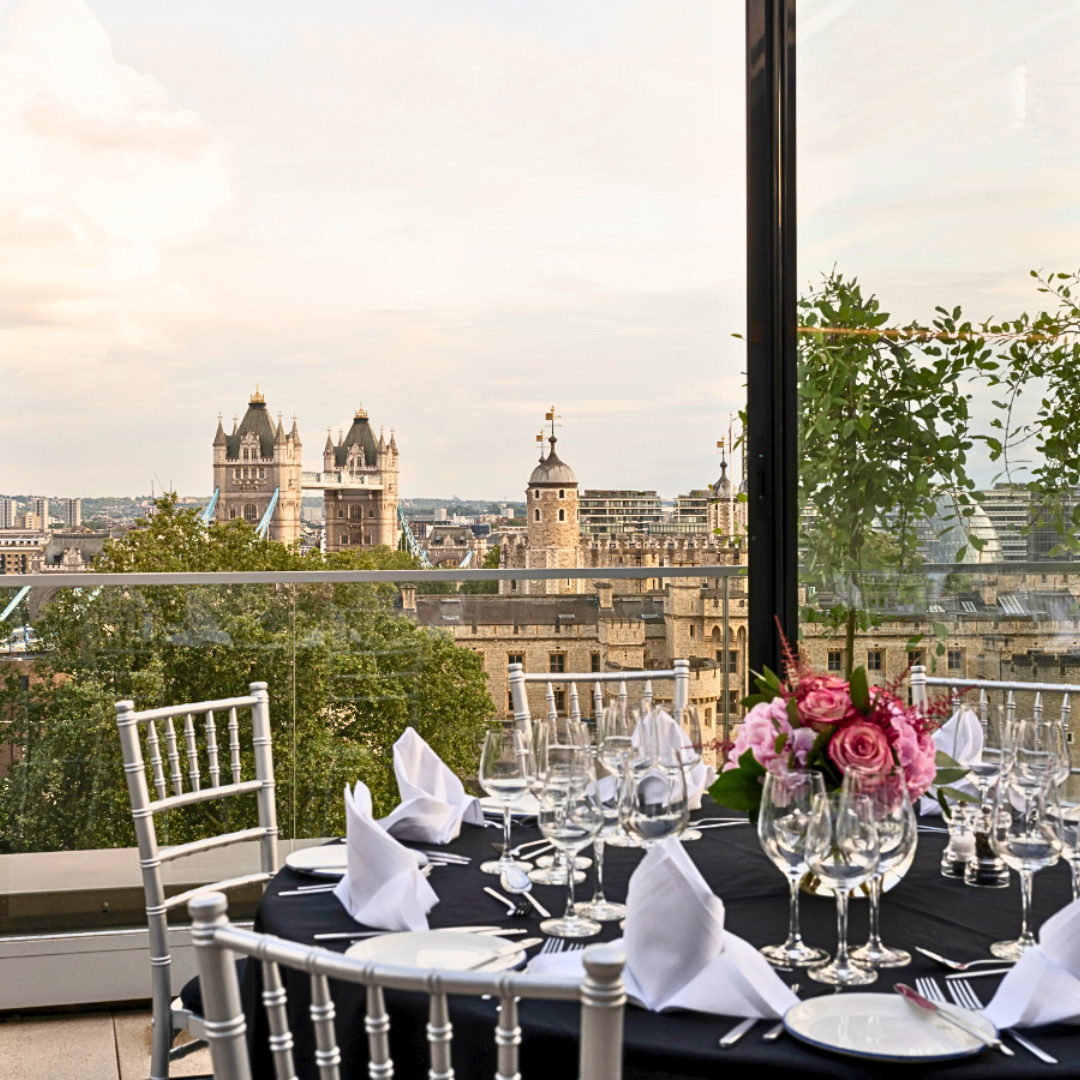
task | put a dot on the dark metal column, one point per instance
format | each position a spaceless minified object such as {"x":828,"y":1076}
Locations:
{"x":771,"y":294}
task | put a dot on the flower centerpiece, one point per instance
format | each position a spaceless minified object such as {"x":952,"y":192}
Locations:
{"x":808,"y":720}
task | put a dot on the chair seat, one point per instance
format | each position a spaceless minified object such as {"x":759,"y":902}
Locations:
{"x":191,"y":994}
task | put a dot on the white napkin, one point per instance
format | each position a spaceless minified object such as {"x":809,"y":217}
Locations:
{"x":678,"y":955}
{"x":382,"y":885}
{"x":671,"y":736}
{"x":961,"y":737}
{"x":1044,"y":987}
{"x":433,"y":800}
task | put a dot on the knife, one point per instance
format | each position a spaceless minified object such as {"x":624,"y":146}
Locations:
{"x":927,"y":1005}
{"x":505,"y":951}
{"x":456,"y":929}
{"x":737,"y":1032}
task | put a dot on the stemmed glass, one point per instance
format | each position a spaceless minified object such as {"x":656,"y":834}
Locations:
{"x":689,"y":754}
{"x":550,"y":739}
{"x":1066,"y":821}
{"x":570,"y":817}
{"x":614,"y":749}
{"x":1023,"y":834}
{"x":654,"y":805}
{"x":890,"y":804}
{"x":842,"y":850}
{"x":1039,"y":754}
{"x":787,"y":799}
{"x":984,"y":868}
{"x":607,"y":795}
{"x":505,"y":775}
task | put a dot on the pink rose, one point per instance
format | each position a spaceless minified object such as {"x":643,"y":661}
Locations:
{"x":758,"y":733}
{"x":861,"y":745}
{"x":825,"y":704}
{"x":923,"y":769}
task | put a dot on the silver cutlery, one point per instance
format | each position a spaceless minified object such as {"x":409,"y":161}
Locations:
{"x":309,"y":891}
{"x":737,"y":1032}
{"x":963,"y":994}
{"x":932,"y":1006}
{"x":519,"y":909}
{"x":552,"y":945}
{"x":348,"y":935}
{"x":503,"y":953}
{"x":957,"y":965}
{"x":977,"y":974}
{"x":448,"y":856}
{"x":514,"y":880}
{"x":777,"y":1030}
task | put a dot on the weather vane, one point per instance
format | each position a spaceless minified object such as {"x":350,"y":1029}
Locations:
{"x":553,"y":416}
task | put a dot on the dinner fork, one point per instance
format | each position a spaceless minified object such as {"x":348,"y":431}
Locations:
{"x":958,"y":965}
{"x":519,"y":909}
{"x":963,"y":994}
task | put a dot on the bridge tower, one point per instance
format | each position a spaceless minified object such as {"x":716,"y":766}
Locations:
{"x":258,"y":459}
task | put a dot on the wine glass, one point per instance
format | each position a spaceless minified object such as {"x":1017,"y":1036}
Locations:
{"x":1023,"y":834}
{"x":552,"y":739}
{"x":787,"y":799}
{"x":842,"y":850}
{"x":599,"y":907}
{"x":570,"y":817}
{"x":654,"y":805}
{"x":614,"y":747}
{"x":890,"y":803}
{"x":984,"y":869}
{"x":1066,"y":821}
{"x":1039,"y":753}
{"x":504,"y":775}
{"x":689,"y":754}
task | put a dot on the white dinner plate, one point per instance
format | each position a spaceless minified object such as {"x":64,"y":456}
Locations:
{"x":328,"y":861}
{"x":527,"y":806}
{"x":883,"y":1027}
{"x":442,"y":950}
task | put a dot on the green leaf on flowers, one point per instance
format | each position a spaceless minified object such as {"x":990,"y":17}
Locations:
{"x":946,"y":809}
{"x":750,"y":766}
{"x":948,"y":771}
{"x":781,"y":742}
{"x":793,"y":712}
{"x":860,"y":690}
{"x":959,"y":796}
{"x":737,"y":791}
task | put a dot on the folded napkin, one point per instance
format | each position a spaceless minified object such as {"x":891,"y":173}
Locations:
{"x":382,"y":886}
{"x":678,"y":954}
{"x":1044,"y":987}
{"x":433,"y":800}
{"x":660,"y":726}
{"x":961,"y":737}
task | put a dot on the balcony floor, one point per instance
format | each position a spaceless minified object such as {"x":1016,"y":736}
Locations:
{"x":85,"y":1046}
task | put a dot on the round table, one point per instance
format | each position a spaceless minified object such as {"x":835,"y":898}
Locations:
{"x":924,"y":909}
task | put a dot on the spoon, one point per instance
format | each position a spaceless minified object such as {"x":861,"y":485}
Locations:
{"x":514,"y":880}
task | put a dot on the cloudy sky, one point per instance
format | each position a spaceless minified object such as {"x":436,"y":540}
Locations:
{"x":458,"y":213}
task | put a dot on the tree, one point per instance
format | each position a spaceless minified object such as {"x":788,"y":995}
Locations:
{"x":485,"y":588}
{"x":347,"y":673}
{"x":884,"y":431}
{"x":1042,"y":358}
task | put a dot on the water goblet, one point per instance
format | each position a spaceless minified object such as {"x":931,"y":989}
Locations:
{"x":842,"y":850}
{"x":1038,"y":753}
{"x":1066,"y":822}
{"x":786,"y":802}
{"x":1023,"y":834}
{"x":614,"y":747}
{"x":689,"y":753}
{"x":654,"y":805}
{"x":552,"y":740}
{"x":890,"y":803}
{"x":504,"y":774}
{"x":607,"y":794}
{"x":570,"y":817}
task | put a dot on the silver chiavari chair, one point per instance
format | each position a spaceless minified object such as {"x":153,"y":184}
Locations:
{"x":166,"y":770}
{"x":601,"y":994}
{"x":958,"y":690}
{"x":519,"y":679}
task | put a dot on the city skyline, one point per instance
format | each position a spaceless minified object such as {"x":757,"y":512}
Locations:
{"x":456,"y":214}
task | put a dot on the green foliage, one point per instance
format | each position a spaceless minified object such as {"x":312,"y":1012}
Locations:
{"x":485,"y":588}
{"x":884,"y":431}
{"x":346,"y":672}
{"x":1042,"y":362}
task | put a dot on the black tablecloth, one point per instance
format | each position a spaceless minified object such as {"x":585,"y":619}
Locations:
{"x":924,"y":909}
